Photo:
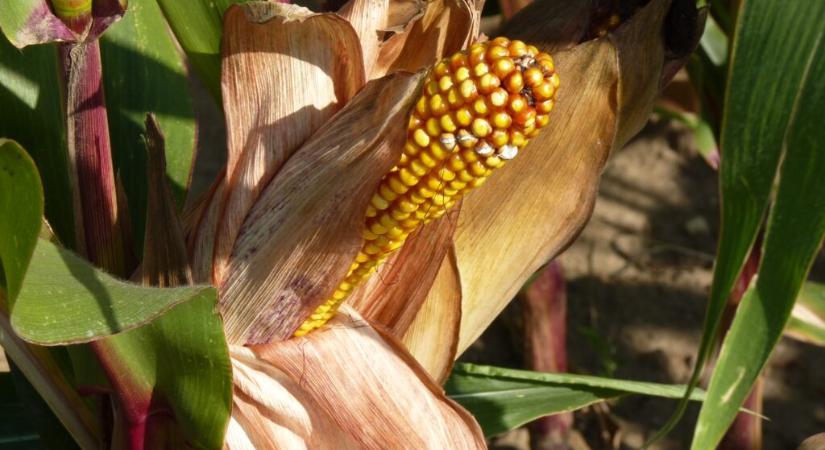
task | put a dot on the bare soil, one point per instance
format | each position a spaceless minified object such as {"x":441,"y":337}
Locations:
{"x":638,"y":278}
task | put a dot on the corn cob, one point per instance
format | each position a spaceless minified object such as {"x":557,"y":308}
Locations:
{"x":478,"y":108}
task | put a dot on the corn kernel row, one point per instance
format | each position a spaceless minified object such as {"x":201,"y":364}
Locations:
{"x":478,"y":109}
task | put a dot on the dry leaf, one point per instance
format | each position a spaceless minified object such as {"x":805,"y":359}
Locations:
{"x":285,"y":72}
{"x":303,"y":233}
{"x":346,"y":386}
{"x":446,"y":27}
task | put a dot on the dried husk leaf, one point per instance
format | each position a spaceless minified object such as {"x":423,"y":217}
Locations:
{"x":285,"y":72}
{"x":526,"y":215}
{"x":304,"y":232}
{"x":367,"y":17}
{"x":446,"y":27}
{"x":346,"y":386}
{"x":393,"y":295}
{"x":432,"y":338}
{"x":201,"y":223}
{"x":558,"y":25}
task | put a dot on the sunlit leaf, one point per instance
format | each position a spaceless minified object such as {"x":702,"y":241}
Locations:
{"x":21,"y":211}
{"x":771,"y":118}
{"x":807,"y":322}
{"x":67,"y":300}
{"x":502,"y":399}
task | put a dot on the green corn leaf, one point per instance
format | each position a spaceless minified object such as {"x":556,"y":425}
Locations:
{"x":31,"y":115}
{"x":66,"y":300}
{"x":502,"y":399}
{"x":181,"y":359}
{"x":143,"y":72}
{"x":198,"y":25}
{"x":796,"y":223}
{"x":27,"y":22}
{"x":21,"y":212}
{"x":807,"y":322}
{"x":759,"y":113}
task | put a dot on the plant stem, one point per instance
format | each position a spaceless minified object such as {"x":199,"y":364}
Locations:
{"x":98,"y":234}
{"x":545,"y":329}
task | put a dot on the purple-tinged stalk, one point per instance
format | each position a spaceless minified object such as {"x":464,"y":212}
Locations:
{"x":545,"y":329}
{"x":97,"y":231}
{"x":745,"y":433}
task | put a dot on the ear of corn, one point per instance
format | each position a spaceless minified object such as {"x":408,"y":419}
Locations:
{"x":478,"y":109}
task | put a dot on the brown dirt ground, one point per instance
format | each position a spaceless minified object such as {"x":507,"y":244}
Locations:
{"x":637,"y":282}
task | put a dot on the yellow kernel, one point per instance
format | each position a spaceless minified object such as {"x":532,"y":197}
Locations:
{"x":533,"y":76}
{"x":468,"y":90}
{"x":517,"y":103}
{"x":544,"y":91}
{"x":501,"y":41}
{"x":421,"y":107}
{"x":493,"y":162}
{"x":456,"y":164}
{"x":418,"y":168}
{"x":450,"y":193}
{"x":447,"y":123}
{"x":481,"y":128}
{"x":438,"y":151}
{"x":399,"y":215}
{"x":514,"y":82}
{"x":387,"y":221}
{"x":442,"y":68}
{"x":458,"y":61}
{"x":532,"y":50}
{"x":542,"y":120}
{"x":487,"y":83}
{"x":377,"y":229}
{"x":480,"y":107}
{"x":371,"y":249}
{"x":477,"y":169}
{"x":425,"y":192}
{"x":407,"y":177}
{"x":371,"y":212}
{"x":498,"y":98}
{"x":499,"y":138}
{"x":477,"y":52}
{"x":433,"y":128}
{"x":437,"y":105}
{"x":361,"y":257}
{"x":434,"y":183}
{"x":461,"y":74}
{"x":464,"y":117}
{"x":387,"y":193}
{"x":445,"y":83}
{"x":421,"y":138}
{"x":431,"y":88}
{"x":480,"y":69}
{"x":502,"y":120}
{"x":555,"y":80}
{"x":525,"y":118}
{"x":545,"y":107}
{"x":410,"y":148}
{"x":465,"y":176}
{"x":396,"y":185}
{"x":379,"y":202}
{"x":454,"y":97}
{"x":469,"y":156}
{"x":427,"y":160}
{"x":546,"y":64}
{"x":414,"y":122}
{"x":403,"y":160}
{"x":446,"y":174}
{"x":517,"y":48}
{"x":495,"y":52}
{"x":476,"y":182}
{"x":440,"y":199}
{"x":503,"y":67}
{"x":458,"y":185}
{"x":406,"y":205}
{"x":517,"y":139}
{"x":466,"y":139}
{"x":368,"y":235}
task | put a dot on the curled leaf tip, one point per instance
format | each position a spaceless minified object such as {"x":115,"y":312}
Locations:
{"x":478,"y":108}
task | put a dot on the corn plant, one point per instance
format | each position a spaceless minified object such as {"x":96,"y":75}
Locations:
{"x":369,"y":139}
